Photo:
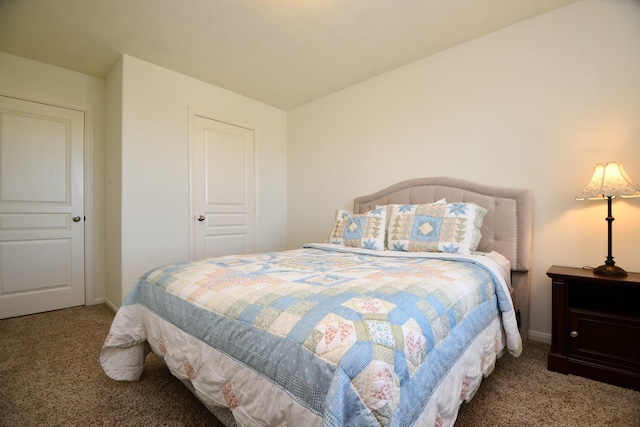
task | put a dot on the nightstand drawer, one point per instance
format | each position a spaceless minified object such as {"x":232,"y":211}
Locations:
{"x":605,"y":338}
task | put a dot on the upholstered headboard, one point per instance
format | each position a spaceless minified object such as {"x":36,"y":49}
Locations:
{"x":506,"y":228}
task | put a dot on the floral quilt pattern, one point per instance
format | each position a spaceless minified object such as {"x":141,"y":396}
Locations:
{"x":346,"y":334}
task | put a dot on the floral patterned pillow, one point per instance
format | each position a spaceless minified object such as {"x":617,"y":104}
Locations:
{"x":450,"y":227}
{"x":365,"y":230}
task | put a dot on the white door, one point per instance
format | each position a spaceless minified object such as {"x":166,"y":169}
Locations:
{"x":41,"y":207}
{"x":223,"y":188}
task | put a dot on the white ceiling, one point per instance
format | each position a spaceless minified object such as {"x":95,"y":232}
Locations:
{"x":281,"y":52}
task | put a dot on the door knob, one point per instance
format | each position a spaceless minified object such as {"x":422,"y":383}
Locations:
{"x":76,"y":219}
{"x":574,"y":334}
{"x":201,"y":218}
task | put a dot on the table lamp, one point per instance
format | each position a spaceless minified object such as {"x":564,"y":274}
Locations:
{"x":609,"y":181}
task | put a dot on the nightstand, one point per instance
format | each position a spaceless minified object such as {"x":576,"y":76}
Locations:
{"x":595,"y":326}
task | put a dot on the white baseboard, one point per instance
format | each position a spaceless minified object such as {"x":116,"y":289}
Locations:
{"x":540,"y":337}
{"x":103,"y":300}
{"x":111,"y":305}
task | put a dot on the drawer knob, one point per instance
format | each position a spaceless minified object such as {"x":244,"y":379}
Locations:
{"x":573,"y":334}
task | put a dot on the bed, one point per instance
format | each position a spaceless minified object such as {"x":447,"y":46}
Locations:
{"x":393,"y":321}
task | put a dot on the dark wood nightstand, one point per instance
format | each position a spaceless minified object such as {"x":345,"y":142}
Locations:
{"x":595,"y":326}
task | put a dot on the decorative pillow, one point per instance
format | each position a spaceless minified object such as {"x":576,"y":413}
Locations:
{"x":365,"y":230}
{"x":389,"y":209}
{"x":450,"y":227}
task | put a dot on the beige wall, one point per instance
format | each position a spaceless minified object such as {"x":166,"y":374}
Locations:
{"x":41,"y":82}
{"x":113,"y":188}
{"x":150,"y":155}
{"x":534,"y":105}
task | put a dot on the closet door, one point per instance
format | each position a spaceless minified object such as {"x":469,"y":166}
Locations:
{"x":222,"y":188}
{"x":41,"y":207}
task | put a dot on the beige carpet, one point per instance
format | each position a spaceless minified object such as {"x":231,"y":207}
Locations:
{"x":50,"y":376}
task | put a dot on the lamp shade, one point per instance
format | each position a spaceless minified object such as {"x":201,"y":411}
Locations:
{"x":609,"y":180}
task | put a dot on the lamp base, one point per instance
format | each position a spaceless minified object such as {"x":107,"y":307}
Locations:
{"x":610,"y":270}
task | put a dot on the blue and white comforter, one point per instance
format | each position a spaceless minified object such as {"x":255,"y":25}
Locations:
{"x":322,"y":335}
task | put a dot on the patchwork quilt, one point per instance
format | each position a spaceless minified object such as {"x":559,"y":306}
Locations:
{"x":323,"y":335}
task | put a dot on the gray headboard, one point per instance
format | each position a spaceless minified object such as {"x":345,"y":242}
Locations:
{"x":506,"y":228}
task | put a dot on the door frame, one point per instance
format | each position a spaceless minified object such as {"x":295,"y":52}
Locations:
{"x":196,"y":112}
{"x":90,"y":225}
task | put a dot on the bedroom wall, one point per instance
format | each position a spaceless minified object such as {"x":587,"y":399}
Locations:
{"x":35,"y":80}
{"x":150,"y":158}
{"x":113,"y":191}
{"x":534,"y":105}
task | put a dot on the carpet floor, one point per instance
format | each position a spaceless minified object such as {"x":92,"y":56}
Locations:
{"x":50,"y":376}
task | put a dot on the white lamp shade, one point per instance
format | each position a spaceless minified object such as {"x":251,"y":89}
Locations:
{"x":609,"y":180}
